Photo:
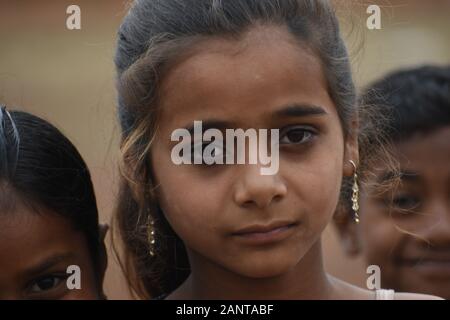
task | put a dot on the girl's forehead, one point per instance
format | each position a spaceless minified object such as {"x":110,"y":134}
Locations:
{"x":260,"y":50}
{"x":229,"y":79}
{"x":426,"y":153}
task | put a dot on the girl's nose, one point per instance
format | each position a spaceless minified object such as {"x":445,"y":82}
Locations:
{"x":255,"y":189}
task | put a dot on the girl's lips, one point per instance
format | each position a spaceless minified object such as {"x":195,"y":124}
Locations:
{"x":258,"y":235}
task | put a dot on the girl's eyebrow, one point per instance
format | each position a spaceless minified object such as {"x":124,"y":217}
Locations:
{"x":290,"y":110}
{"x":405,"y":175}
{"x":300,"y":110}
{"x":211,"y":124}
{"x":47,"y":263}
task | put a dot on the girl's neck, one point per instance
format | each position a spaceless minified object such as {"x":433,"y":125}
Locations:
{"x":307,"y":280}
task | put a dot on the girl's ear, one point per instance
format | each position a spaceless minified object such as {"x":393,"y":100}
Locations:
{"x":351,"y":148}
{"x":103,"y":258}
{"x":345,"y":225}
{"x":347,"y":231}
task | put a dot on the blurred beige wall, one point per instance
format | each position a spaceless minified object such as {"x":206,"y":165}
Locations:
{"x":67,"y":77}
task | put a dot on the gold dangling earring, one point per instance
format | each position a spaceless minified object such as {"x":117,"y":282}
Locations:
{"x":151,"y":235}
{"x":355,"y":194}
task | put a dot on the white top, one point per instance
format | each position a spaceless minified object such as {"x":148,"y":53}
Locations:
{"x":383,"y":294}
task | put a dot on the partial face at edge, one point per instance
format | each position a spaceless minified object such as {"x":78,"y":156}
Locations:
{"x":409,"y":237}
{"x":35,"y":250}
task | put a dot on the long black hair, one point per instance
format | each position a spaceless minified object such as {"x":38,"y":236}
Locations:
{"x":41,"y":168}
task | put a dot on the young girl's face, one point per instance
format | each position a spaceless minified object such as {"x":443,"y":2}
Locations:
{"x":36,"y":248}
{"x":264,"y":81}
{"x":411,"y":241}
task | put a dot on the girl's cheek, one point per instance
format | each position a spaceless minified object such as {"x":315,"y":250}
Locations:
{"x":379,"y":234}
{"x":317,"y":181}
{"x":186,"y":206}
{"x":316,"y":203}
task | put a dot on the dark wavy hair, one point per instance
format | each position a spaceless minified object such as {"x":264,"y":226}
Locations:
{"x":413,"y":100}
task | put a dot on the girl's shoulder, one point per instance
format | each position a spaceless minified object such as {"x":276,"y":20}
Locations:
{"x":384,"y":294}
{"x":415,"y":296}
{"x":349,"y":291}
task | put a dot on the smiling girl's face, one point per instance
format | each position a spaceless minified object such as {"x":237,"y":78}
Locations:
{"x":266,"y":80}
{"x":406,"y":231}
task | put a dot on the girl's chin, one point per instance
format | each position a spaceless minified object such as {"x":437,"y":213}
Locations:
{"x":268,"y":271}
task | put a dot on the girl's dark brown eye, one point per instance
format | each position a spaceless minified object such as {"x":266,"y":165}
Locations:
{"x":295,"y":135}
{"x":46,"y":283}
{"x":199,"y":149}
{"x":405,"y":202}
